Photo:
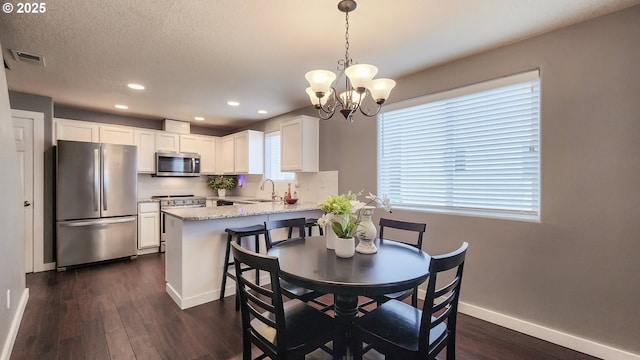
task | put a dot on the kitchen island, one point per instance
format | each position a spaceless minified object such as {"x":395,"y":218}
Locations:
{"x":196,"y":242}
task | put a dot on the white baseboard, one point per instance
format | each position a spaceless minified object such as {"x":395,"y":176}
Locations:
{"x":15,"y":325}
{"x":554,"y":336}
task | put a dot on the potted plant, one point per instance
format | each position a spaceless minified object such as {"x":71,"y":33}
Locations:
{"x":348,"y":217}
{"x":222,"y":183}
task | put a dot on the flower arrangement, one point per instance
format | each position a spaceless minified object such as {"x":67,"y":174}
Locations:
{"x":222,"y":182}
{"x":348,"y":208}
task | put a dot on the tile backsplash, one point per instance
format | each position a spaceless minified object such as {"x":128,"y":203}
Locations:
{"x":311,"y":187}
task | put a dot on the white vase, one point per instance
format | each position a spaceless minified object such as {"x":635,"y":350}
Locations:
{"x":366,"y":232}
{"x":222,"y":192}
{"x":345,"y":248}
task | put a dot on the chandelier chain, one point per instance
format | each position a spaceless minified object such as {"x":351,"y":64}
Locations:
{"x":346,"y":40}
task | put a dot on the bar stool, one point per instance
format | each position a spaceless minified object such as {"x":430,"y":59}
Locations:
{"x":239,"y":233}
{"x":309,"y":224}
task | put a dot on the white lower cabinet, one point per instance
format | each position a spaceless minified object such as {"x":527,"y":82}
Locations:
{"x":148,"y":227}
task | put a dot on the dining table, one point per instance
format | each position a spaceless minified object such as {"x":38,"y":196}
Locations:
{"x":308,"y":263}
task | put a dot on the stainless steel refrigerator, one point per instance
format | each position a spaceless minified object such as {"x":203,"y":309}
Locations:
{"x":96,"y":202}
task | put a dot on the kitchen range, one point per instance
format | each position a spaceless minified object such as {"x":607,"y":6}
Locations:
{"x":175,"y":202}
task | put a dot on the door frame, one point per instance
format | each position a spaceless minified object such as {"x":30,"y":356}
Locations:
{"x":38,"y":188}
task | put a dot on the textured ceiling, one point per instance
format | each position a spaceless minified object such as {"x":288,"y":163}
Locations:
{"x":194,"y":56}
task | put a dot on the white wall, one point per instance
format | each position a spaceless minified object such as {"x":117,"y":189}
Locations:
{"x":12,"y":276}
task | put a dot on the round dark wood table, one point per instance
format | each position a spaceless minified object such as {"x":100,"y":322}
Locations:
{"x":308,"y":263}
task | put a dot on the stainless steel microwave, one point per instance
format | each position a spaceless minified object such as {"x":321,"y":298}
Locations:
{"x":177,"y":164}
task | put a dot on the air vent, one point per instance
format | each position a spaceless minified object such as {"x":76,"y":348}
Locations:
{"x":28,"y":58}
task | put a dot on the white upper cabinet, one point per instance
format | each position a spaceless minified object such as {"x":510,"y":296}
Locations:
{"x":145,"y":140}
{"x":208,"y":155}
{"x":299,"y":144}
{"x":74,"y":130}
{"x":121,"y":135}
{"x":189,"y":143}
{"x":203,"y":145}
{"x":249,"y":152}
{"x":241,"y":153}
{"x":167,"y":141}
{"x":226,"y":155}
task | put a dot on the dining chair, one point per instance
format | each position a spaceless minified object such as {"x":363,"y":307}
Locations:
{"x":399,"y":330}
{"x":419,"y":230}
{"x":292,"y":226}
{"x":280,"y":330}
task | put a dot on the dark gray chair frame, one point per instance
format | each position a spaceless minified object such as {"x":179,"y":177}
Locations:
{"x":280,"y":330}
{"x":401,"y":331}
{"x":290,"y":290}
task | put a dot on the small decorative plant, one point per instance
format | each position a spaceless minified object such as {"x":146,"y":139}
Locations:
{"x":222,"y":182}
{"x":346,"y":208}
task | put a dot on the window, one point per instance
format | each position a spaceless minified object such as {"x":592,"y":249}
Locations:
{"x":471,"y":150}
{"x":272,"y":158}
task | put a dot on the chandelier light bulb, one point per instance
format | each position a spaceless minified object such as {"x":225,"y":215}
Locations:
{"x":381,"y":88}
{"x":361,"y":75}
{"x":320,"y":81}
{"x":315,"y":100}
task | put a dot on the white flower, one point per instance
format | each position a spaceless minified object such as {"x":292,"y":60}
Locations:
{"x":357,"y":205}
{"x":387,"y":203}
{"x":324,"y":220}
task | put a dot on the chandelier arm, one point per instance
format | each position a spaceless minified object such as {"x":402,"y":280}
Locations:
{"x":365,"y":113}
{"x":329,"y":115}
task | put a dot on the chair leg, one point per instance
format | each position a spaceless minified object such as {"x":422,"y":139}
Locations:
{"x":257,"y":241}
{"x":414,"y":298}
{"x":226,"y":267}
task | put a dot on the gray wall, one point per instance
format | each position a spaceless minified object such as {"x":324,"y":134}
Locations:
{"x":577,"y":270}
{"x":11,"y":221}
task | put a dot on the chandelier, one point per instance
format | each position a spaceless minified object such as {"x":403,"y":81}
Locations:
{"x":358,"y":79}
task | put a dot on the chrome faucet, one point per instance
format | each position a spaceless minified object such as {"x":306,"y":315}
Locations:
{"x":273,"y":188}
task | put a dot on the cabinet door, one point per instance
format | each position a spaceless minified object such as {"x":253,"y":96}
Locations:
{"x":77,"y":130}
{"x":148,"y":230}
{"x":207,"y":151}
{"x":226,"y":155}
{"x":167,"y":142}
{"x":242,"y":152}
{"x":146,"y":143}
{"x":299,"y":148}
{"x":190,"y":143}
{"x":116,"y":135}
{"x":291,"y":146}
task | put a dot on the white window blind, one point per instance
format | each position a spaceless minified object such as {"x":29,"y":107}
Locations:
{"x":473,"y":149}
{"x":272,"y":158}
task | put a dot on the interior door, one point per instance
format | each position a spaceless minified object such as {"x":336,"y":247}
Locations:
{"x":23,"y":135}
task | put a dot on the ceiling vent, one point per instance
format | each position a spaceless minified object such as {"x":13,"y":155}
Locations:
{"x":28,"y":58}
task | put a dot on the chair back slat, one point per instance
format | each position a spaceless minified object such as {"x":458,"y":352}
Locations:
{"x":289,"y":224}
{"x":262,"y":309}
{"x":441,"y":304}
{"x":418,"y":228}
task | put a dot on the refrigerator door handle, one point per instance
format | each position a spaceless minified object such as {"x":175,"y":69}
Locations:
{"x":97,"y":222}
{"x":96,"y":180}
{"x":105,"y":179}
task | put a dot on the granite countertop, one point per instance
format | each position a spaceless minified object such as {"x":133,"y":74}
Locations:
{"x":222,"y":212}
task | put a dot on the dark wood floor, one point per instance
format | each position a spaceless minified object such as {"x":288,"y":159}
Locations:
{"x":120,"y":311}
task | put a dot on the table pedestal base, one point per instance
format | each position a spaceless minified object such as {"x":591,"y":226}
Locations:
{"x":346,"y":310}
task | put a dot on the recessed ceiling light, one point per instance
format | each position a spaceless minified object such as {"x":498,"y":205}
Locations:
{"x":233,"y":103}
{"x":122,"y":107}
{"x":198,"y":118}
{"x":262,"y":112}
{"x":135,"y":86}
